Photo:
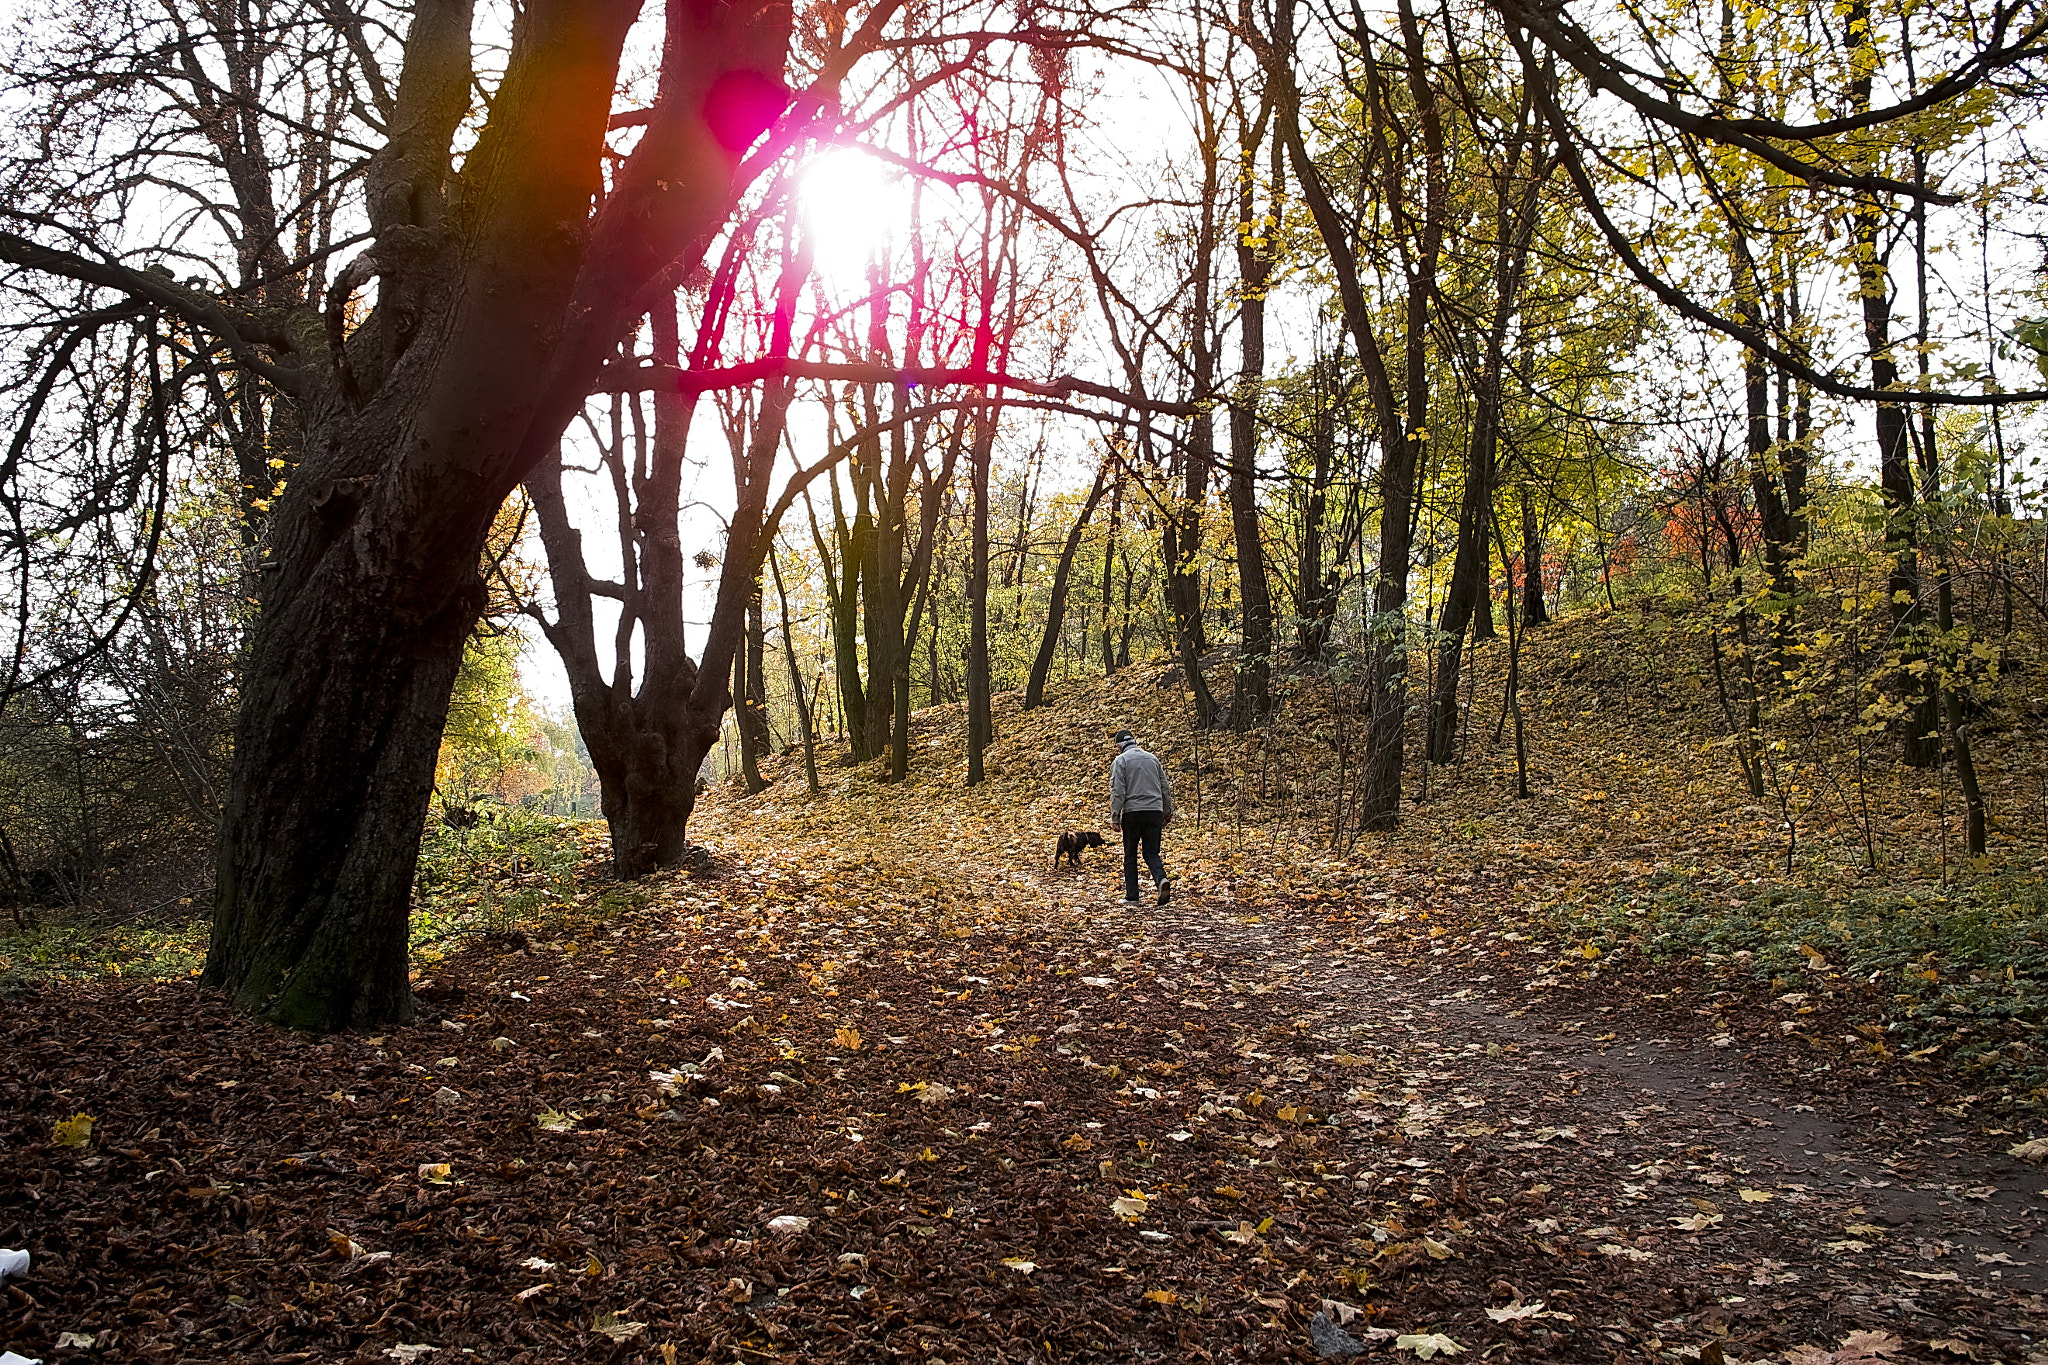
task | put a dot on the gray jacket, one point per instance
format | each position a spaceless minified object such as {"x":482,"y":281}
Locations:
{"x":1138,"y":781}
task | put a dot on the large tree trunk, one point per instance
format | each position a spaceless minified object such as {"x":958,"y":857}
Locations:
{"x":500,"y":296}
{"x":334,"y":762}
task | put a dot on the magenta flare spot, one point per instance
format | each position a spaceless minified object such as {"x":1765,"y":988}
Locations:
{"x":739,"y":107}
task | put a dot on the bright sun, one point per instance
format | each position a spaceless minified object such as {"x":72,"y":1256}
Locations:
{"x":853,"y":208}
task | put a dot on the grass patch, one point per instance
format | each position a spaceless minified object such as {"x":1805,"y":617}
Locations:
{"x":512,"y":868}
{"x":1960,"y":972}
{"x":68,"y":947}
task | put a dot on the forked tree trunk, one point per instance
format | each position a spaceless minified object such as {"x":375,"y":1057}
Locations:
{"x":500,"y":296}
{"x":1514,"y":226}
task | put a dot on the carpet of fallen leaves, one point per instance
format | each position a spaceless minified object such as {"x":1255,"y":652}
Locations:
{"x":874,"y":1081}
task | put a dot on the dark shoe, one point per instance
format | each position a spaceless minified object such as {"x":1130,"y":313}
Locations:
{"x":1166,"y":891}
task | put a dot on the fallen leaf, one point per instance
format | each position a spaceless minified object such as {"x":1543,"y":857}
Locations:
{"x":1129,"y":1207}
{"x":1020,"y":1265}
{"x":609,"y":1324}
{"x":848,"y":1038}
{"x":75,"y":1131}
{"x":788,"y":1224}
{"x":1626,"y":1253}
{"x":1858,"y":1348}
{"x":1428,"y":1346}
{"x":435,"y":1172}
{"x":1754,"y":1196}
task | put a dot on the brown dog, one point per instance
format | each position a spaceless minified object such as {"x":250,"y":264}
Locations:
{"x":1071,"y":843}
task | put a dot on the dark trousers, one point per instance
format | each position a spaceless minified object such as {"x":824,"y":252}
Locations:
{"x":1141,"y":831}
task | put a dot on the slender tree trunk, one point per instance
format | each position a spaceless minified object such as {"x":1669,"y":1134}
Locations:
{"x":750,"y":697}
{"x":1403,"y":420}
{"x":1515,"y":225}
{"x":1315,"y":588}
{"x":796,"y":682}
{"x":1534,"y":613}
{"x":1109,"y":542}
{"x":843,"y":595}
{"x":980,"y":713}
{"x":1181,"y":539}
{"x":1922,"y":747}
{"x":1056,"y":607}
{"x":1252,"y":696}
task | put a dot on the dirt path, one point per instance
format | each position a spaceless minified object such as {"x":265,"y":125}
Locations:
{"x":1633,"y":1131}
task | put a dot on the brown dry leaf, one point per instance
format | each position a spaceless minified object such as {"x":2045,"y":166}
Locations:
{"x":1858,"y":1348}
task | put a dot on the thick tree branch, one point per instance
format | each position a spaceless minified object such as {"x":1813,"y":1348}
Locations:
{"x":1756,"y":136}
{"x":241,"y":331}
{"x":1682,"y":303}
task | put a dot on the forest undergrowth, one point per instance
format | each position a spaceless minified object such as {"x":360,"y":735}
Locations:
{"x":1588,"y":1076}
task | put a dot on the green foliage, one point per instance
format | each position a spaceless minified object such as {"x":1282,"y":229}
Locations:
{"x":513,"y":866}
{"x":76,"y":948}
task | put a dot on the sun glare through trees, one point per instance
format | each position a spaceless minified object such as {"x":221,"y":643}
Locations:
{"x":857,"y":212}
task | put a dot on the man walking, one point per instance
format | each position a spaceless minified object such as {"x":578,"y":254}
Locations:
{"x":1141,"y":806}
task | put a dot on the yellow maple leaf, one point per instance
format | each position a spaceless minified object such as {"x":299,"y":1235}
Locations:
{"x":75,"y":1131}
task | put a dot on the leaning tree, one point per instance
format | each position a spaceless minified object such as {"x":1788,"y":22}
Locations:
{"x":506,"y":242}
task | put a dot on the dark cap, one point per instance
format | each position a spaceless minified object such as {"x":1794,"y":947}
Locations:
{"x":1124,"y":737}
